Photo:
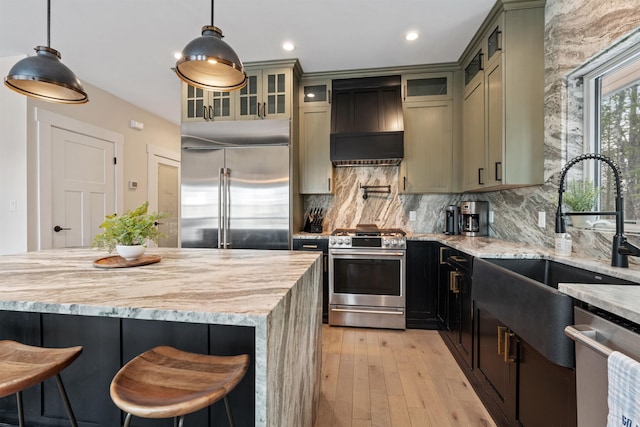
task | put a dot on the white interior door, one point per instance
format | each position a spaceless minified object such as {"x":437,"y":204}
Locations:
{"x":164,"y":192}
{"x":83,"y":187}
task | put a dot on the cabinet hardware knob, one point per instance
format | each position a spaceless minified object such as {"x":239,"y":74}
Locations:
{"x":58,"y":229}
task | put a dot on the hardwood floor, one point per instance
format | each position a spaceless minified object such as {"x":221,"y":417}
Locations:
{"x":375,"y":377}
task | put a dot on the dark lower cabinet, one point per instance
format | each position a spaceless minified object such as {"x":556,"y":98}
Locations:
{"x":546,"y":391}
{"x":496,"y":362}
{"x":455,"y":304}
{"x":319,"y":244}
{"x":108,"y":343}
{"x":523,"y":387}
{"x":422,"y":285}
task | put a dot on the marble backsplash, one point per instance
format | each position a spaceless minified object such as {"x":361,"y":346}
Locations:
{"x":575,"y":31}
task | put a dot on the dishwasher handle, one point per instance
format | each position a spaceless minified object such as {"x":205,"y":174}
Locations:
{"x":583,"y":334}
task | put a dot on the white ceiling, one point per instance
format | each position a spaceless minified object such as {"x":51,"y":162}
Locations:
{"x":126,"y":46}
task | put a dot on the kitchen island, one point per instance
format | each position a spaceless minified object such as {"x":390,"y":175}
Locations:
{"x":265,"y":303}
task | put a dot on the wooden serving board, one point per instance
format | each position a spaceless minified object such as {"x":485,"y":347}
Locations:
{"x":119,"y":262}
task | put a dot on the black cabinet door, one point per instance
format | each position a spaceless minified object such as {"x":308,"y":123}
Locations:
{"x":466,"y":317}
{"x":422,"y":284}
{"x":443,"y":289}
{"x":496,"y":371}
{"x":86,"y":380}
{"x":318,"y":245}
{"x":546,"y":391}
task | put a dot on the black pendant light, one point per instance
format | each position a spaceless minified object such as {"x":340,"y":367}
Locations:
{"x":43,"y":76}
{"x":210,"y":63}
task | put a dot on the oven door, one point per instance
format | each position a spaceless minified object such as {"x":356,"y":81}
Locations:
{"x":367,"y":277}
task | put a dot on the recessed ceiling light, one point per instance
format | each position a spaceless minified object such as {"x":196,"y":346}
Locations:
{"x":411,"y":36}
{"x":288,"y":46}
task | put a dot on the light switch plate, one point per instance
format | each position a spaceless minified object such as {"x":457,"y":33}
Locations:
{"x":412,"y":215}
{"x":542,"y":219}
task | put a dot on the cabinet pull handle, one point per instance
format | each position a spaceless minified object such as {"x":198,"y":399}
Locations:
{"x":210,"y":112}
{"x":453,"y":282}
{"x":442,"y":255}
{"x":501,"y":332}
{"x":480,"y":171}
{"x":326,"y":262}
{"x":499,"y":47}
{"x":329,"y":96}
{"x":498,"y":171}
{"x":264,"y":110}
{"x":404,"y":183}
{"x":329,"y":184}
{"x":507,"y":350}
{"x":310,"y":246}
{"x":481,"y":61}
{"x":204,"y":113}
{"x":404,"y":92}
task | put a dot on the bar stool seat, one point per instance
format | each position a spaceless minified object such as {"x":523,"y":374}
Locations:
{"x":23,"y":366}
{"x":165,"y":382}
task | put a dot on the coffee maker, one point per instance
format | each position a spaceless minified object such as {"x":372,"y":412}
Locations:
{"x":475,"y":218}
{"x":452,"y":220}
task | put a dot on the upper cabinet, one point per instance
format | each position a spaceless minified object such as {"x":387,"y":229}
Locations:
{"x":426,"y":87}
{"x":316,"y":170}
{"x":269,"y":94}
{"x":503,"y":104}
{"x":427,"y":108}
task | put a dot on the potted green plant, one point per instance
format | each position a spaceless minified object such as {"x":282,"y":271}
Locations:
{"x":129,"y":233}
{"x":581,"y":196}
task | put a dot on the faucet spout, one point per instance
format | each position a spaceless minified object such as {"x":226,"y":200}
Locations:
{"x":621,"y":249}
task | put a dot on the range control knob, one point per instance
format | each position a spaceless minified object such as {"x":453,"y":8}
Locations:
{"x":386,"y":242}
{"x":332,"y":241}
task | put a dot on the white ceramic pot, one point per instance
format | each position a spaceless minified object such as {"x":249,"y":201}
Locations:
{"x":130,"y":253}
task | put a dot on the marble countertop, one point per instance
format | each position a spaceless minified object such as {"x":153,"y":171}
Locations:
{"x":622,"y":300}
{"x":238,"y":287}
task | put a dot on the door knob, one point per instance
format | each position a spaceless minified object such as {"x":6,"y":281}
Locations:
{"x":58,"y":229}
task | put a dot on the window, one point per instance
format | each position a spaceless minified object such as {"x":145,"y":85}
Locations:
{"x":612,"y":117}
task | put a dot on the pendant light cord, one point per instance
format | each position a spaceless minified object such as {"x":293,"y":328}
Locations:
{"x":48,"y":23}
{"x":212,"y":12}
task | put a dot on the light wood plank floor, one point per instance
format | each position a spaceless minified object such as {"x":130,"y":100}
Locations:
{"x":380,"y":378}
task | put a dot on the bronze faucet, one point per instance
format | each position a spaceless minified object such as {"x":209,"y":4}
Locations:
{"x":621,"y":248}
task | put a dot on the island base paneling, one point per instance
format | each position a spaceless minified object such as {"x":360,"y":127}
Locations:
{"x":108,"y":343}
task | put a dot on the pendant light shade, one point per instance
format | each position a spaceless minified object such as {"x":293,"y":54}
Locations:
{"x":210,"y":63}
{"x":43,"y":76}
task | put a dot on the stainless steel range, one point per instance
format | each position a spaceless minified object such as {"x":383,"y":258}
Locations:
{"x":367,"y":277}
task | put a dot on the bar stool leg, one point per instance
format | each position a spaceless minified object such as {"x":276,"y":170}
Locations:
{"x":65,"y":400}
{"x":178,"y":421}
{"x":229,"y":416}
{"x":127,"y":420}
{"x":20,"y":410}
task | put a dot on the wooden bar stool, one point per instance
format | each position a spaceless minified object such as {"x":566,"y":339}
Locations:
{"x":165,"y":382}
{"x":22,"y":366}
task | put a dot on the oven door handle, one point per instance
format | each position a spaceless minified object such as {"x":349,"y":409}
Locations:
{"x":356,"y":253}
{"x":351,"y":310}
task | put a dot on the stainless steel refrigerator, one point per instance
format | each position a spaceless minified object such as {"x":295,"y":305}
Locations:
{"x":236,"y":185}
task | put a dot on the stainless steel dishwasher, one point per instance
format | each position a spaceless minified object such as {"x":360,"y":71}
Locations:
{"x":597,"y":334}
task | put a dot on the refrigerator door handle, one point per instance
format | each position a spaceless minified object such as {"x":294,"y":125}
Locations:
{"x":220,"y":221}
{"x":227,"y":207}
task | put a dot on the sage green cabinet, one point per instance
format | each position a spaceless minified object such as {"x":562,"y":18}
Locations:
{"x":269,"y":94}
{"x":427,"y":109}
{"x":473,"y":130}
{"x":427,"y":166}
{"x":314,"y":115}
{"x":504,"y":86}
